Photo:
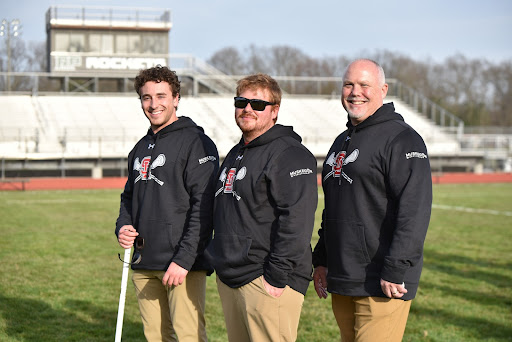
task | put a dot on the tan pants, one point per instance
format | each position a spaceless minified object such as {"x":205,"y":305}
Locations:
{"x":368,"y":319}
{"x":173,"y":313}
{"x":252,"y":314}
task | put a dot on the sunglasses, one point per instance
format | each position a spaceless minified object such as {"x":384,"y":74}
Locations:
{"x":259,"y":105}
{"x":137,"y":256}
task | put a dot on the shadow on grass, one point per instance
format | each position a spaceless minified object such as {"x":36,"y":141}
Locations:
{"x":455,"y":265}
{"x":478,"y":297}
{"x":477,"y":278}
{"x":477,"y":327}
{"x":35,"y":320}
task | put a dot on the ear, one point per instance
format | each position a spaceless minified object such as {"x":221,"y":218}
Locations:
{"x":274,"y":111}
{"x":384,"y":90}
{"x":176,"y":100}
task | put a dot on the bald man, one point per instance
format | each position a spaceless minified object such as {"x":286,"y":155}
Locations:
{"x":378,"y":197}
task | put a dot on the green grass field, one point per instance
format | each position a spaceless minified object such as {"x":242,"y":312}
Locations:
{"x":60,"y":275}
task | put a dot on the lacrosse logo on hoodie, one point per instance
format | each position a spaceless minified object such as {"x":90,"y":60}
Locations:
{"x":337,"y":161}
{"x":228,"y":180}
{"x":144,"y":167}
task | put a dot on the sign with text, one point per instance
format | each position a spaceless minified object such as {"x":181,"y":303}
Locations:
{"x":79,"y":63}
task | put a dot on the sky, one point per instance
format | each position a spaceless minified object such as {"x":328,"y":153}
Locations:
{"x":422,"y":30}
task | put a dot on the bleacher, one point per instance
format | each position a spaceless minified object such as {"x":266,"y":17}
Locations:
{"x":108,"y":126}
{"x":81,"y":115}
{"x":439,"y":143}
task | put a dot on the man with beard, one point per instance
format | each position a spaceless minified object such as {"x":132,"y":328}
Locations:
{"x":263,"y":220}
{"x":378,"y":196}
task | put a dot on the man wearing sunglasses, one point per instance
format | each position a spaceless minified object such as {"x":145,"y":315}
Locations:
{"x":378,"y":195}
{"x":166,"y":213}
{"x":264,"y":209}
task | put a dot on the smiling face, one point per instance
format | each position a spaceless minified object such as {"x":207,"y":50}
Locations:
{"x":254,"y":123}
{"x":158,"y":104}
{"x":364,"y":90}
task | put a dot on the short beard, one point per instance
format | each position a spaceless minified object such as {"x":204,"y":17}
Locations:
{"x":354,"y":116}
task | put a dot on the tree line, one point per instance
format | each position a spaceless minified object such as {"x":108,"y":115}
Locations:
{"x":476,"y":90}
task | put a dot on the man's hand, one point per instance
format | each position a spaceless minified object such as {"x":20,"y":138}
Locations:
{"x":393,"y":290}
{"x":126,"y":236}
{"x":175,"y":275}
{"x":272,"y":290}
{"x":320,"y":281}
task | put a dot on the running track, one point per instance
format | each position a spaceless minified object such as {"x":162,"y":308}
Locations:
{"x":118,"y":182}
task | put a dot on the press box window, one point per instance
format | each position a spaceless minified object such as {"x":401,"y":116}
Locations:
{"x":69,"y":42}
{"x":102,"y":43}
{"x":154,"y":44}
{"x":127,"y":43}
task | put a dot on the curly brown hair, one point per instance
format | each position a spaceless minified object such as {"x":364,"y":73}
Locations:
{"x":158,"y":74}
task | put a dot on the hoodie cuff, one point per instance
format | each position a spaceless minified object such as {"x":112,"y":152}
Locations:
{"x":275,"y":276}
{"x":392,"y":273}
{"x":184,"y":260}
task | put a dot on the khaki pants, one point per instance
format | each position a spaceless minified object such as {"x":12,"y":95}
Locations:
{"x":173,"y":313}
{"x":368,"y":319}
{"x":252,"y":314}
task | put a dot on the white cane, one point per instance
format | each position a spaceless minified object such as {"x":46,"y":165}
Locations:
{"x":122,"y":295}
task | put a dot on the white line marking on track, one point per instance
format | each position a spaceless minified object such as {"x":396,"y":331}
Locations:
{"x":456,"y":208}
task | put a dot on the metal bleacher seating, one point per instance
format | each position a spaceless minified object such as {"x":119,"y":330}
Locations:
{"x":438,"y":142}
{"x":18,"y":122}
{"x":109,"y":126}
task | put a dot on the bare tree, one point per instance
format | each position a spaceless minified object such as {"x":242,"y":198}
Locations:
{"x":256,"y":60}
{"x":228,"y":60}
{"x":499,"y":78}
{"x":477,"y":91}
{"x":287,"y":61}
{"x":464,"y":89}
{"x":36,"y":57}
{"x":14,"y":58}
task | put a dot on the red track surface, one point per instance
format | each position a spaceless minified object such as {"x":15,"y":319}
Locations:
{"x":118,"y":182}
{"x":458,"y":178}
{"x":66,"y":184}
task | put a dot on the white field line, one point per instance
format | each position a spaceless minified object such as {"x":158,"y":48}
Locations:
{"x":472,"y":210}
{"x":456,"y":208}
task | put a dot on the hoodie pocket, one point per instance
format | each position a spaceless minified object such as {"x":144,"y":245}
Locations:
{"x":230,"y":251}
{"x":347,"y":249}
{"x":158,"y":242}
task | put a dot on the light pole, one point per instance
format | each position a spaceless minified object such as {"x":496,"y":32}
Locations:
{"x":8,"y":29}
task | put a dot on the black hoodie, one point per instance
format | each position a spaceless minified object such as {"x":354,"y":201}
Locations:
{"x":168,"y":197}
{"x":264,"y":212}
{"x":378,"y":200}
